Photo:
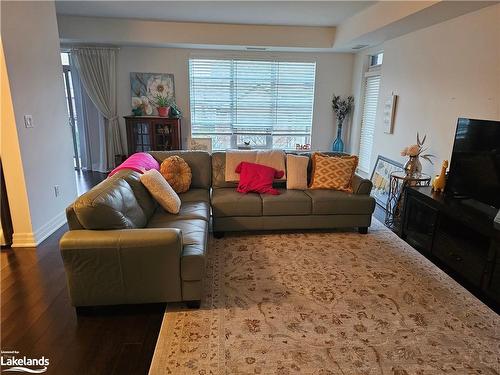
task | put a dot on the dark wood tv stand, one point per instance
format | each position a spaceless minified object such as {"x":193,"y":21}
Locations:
{"x":458,"y":236}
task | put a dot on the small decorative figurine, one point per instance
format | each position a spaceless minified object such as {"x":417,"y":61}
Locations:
{"x":440,"y":180}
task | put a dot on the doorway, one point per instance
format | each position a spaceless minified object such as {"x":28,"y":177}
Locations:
{"x":71,"y":106}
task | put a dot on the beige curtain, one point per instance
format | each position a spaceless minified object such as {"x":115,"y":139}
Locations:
{"x":97,"y":71}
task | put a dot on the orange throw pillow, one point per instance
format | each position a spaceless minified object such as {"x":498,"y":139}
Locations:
{"x":333,"y":172}
{"x":177,"y":173}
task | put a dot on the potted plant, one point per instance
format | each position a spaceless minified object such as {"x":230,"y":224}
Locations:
{"x":162,"y":104}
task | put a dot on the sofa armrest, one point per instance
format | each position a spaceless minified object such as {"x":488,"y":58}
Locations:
{"x":361,"y":185}
{"x":122,"y":266}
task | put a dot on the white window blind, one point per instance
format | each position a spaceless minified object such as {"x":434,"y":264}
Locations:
{"x":372,"y":86}
{"x":267,"y":103}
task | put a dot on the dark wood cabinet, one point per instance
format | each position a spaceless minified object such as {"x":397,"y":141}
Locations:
{"x":150,"y":133}
{"x":459,"y":236}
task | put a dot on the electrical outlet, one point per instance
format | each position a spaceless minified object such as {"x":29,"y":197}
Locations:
{"x":28,"y":121}
{"x":57,"y":190}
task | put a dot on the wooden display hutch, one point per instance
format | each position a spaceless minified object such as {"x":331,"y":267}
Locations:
{"x":152,"y":133}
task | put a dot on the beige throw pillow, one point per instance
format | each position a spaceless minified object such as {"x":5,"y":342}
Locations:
{"x":233,"y":158}
{"x":296,"y":167}
{"x":272,"y":158}
{"x":161,"y":190}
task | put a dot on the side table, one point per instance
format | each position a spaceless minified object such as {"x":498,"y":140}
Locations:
{"x":394,"y":207}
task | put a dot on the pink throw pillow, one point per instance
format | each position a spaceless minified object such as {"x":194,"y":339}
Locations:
{"x":257,"y":178}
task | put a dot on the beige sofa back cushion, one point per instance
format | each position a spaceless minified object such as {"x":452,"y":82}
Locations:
{"x":110,"y":205}
{"x":271,"y":158}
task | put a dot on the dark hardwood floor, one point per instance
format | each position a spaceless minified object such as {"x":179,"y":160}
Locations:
{"x":37,"y":318}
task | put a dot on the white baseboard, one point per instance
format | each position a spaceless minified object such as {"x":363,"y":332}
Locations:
{"x":34,"y":239}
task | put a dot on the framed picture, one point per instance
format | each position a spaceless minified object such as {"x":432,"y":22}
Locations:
{"x":145,"y":85}
{"x":380,"y":178}
{"x":204,"y":144}
{"x":389,"y":110}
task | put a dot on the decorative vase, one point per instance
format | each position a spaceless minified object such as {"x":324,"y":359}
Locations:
{"x":413,"y":166}
{"x":338,"y":145}
{"x":163,"y":111}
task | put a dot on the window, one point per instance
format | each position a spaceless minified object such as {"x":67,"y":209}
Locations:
{"x":376,"y":59}
{"x":268,"y":104}
{"x":371,"y":93}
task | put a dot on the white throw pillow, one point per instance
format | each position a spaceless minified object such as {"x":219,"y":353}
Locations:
{"x":161,"y":190}
{"x":297,"y":171}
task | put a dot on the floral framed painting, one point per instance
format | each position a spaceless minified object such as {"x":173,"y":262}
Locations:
{"x":145,"y":86}
{"x":381,"y":178}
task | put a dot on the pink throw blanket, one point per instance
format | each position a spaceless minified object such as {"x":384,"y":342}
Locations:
{"x":139,"y":162}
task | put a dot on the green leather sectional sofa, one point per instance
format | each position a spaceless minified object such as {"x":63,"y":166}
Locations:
{"x":123,"y":248}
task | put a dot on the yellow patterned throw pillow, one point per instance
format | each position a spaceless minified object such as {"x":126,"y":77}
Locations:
{"x":333,"y":172}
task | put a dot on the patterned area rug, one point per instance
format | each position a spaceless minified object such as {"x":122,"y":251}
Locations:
{"x":327,"y":303}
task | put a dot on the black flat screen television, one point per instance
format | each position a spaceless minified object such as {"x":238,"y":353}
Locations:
{"x":475,"y":162}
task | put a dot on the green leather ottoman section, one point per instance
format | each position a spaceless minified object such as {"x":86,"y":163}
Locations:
{"x":289,"y":202}
{"x":122,"y":266}
{"x":228,"y":202}
{"x":331,"y":202}
{"x":200,"y":163}
{"x":195,"y":195}
{"x":110,"y":205}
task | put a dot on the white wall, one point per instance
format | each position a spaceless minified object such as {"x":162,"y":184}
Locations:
{"x":32,"y":53}
{"x":440,"y":73}
{"x":333,"y":74}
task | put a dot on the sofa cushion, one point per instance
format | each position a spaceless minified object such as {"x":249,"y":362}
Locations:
{"x":194,"y":238}
{"x":332,"y":202}
{"x":144,"y":198}
{"x":188,"y":211}
{"x":195,"y":195}
{"x":110,"y":205}
{"x":228,"y":202}
{"x":219,"y":171}
{"x":200,"y":163}
{"x":289,"y":202}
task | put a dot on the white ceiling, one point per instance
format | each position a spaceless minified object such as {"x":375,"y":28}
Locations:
{"x":292,"y":13}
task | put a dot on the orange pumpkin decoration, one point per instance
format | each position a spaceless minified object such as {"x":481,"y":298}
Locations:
{"x":177,"y":173}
